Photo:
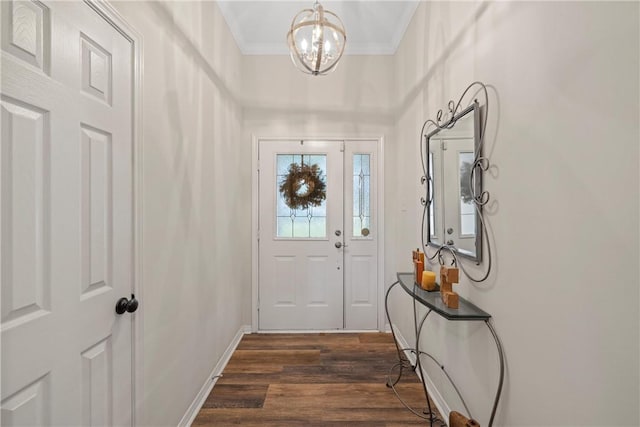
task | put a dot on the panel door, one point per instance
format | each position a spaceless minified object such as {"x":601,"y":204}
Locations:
{"x":300,"y":250}
{"x":66,"y":216}
{"x":361,"y":235}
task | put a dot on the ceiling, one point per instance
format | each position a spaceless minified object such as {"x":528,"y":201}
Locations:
{"x":373,"y":27}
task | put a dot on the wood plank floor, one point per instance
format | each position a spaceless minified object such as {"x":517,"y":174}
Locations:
{"x":312,"y":380}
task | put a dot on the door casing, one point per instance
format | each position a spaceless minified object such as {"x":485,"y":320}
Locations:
{"x":255,"y":217}
{"x":113,"y":17}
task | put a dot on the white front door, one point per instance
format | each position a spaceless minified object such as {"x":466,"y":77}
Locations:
{"x":66,"y":193}
{"x":318,"y":263}
{"x":300,"y":264}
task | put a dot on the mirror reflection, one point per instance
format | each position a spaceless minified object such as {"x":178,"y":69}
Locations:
{"x":453,"y":216}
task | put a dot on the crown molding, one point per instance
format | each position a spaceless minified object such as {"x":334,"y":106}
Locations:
{"x":352,"y":48}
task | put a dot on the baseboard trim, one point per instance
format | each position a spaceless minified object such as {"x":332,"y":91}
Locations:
{"x":437,"y":398}
{"x":321,"y":331}
{"x":202,"y":395}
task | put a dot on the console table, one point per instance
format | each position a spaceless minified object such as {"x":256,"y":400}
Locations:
{"x":466,"y":311}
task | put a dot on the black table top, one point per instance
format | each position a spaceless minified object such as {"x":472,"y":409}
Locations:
{"x":432,"y":300}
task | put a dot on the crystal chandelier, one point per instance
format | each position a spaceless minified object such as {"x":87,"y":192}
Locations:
{"x":316,"y":40}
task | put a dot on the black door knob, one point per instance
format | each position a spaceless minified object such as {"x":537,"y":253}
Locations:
{"x":133,"y":304}
{"x":129,"y":305}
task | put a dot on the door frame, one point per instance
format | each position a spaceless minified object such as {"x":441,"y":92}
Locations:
{"x":255,"y":213}
{"x":107,"y":12}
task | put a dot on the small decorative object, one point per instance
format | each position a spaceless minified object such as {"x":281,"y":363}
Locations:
{"x":428,"y":280}
{"x":316,"y":40}
{"x":449,"y":276}
{"x":456,"y":419}
{"x":418,"y":265}
{"x":417,"y":255}
{"x":303,"y":186}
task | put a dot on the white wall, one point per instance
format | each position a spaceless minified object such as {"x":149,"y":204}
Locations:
{"x":355,"y":100}
{"x":196,"y":189}
{"x":563,"y":138}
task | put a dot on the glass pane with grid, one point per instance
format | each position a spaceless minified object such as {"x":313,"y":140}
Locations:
{"x":310,"y":222}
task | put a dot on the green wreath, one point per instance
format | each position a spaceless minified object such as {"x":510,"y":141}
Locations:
{"x":303,"y":186}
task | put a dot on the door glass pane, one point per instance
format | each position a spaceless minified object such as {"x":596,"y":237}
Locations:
{"x":361,"y":214}
{"x":301,"y":205}
{"x":467,"y":208}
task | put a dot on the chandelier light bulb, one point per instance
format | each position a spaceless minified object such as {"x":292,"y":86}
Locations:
{"x":316,"y":40}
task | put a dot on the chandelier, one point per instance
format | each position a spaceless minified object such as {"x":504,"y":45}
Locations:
{"x":316,"y":40}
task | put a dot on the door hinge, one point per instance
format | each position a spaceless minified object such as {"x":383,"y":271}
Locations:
{"x":258,"y":166}
{"x":444,"y":145}
{"x":342,"y":147}
{"x":258,"y":235}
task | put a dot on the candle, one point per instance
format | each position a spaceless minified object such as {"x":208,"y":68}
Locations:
{"x":428,"y":280}
{"x":419,"y":268}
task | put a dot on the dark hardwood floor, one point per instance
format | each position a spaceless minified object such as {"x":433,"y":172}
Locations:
{"x":312,"y":380}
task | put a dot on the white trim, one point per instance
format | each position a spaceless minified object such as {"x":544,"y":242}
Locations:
{"x":382,"y":318}
{"x":319,"y":331}
{"x":355,"y":48}
{"x":351,"y":49}
{"x":255,"y":213}
{"x":331,"y":136}
{"x":255,"y":209}
{"x":212,"y":379}
{"x":115,"y":19}
{"x":403,"y":25}
{"x":434,"y":393}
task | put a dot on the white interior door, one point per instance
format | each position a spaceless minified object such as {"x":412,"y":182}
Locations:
{"x":300,"y":254}
{"x":66,"y":194}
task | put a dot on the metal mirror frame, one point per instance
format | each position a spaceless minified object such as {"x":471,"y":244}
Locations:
{"x":481,"y":164}
{"x":475,"y":182}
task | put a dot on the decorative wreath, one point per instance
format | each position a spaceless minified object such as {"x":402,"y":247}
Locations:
{"x":303,"y":186}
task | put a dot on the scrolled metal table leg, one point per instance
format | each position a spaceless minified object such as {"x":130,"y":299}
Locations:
{"x":401,"y":358}
{"x":455,"y":387}
{"x":500,"y":383}
{"x":403,"y":361}
{"x":418,"y":330}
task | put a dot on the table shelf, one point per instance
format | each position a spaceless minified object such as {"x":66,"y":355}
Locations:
{"x":432,"y":300}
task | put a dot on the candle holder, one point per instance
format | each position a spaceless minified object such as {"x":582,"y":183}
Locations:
{"x":418,"y":266}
